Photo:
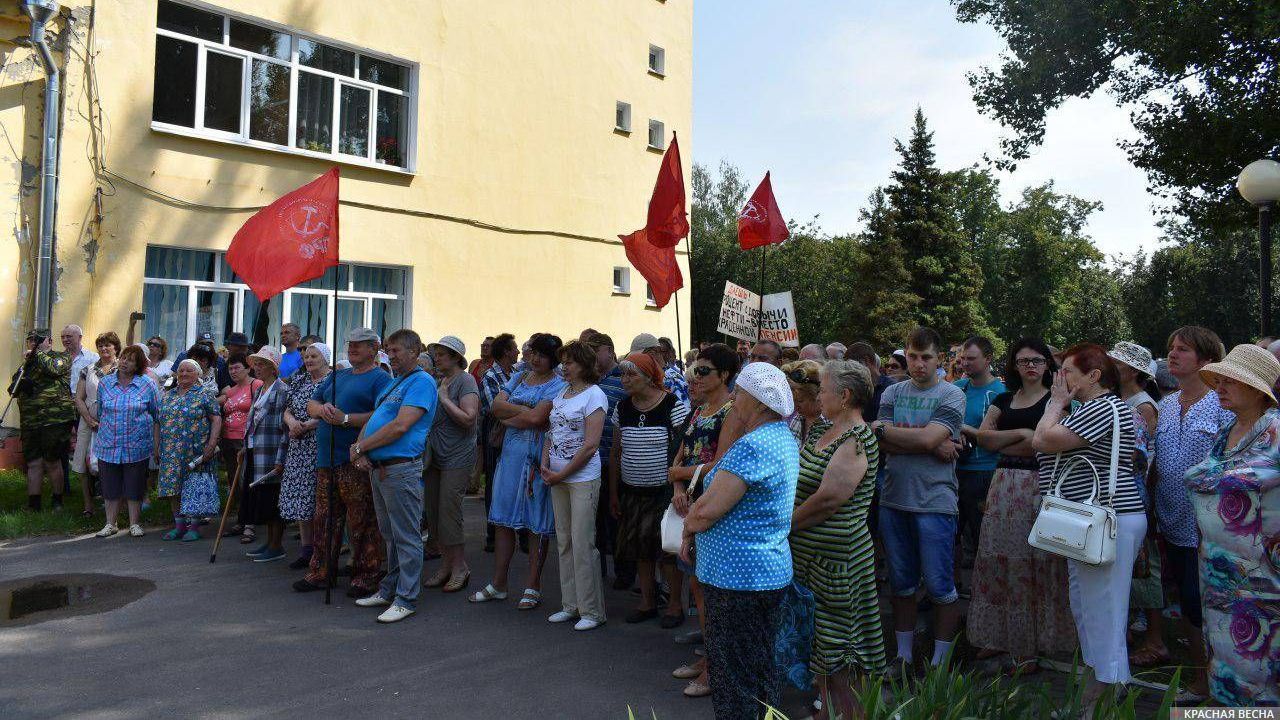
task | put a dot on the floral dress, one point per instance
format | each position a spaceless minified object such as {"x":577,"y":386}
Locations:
{"x":1236,"y":495}
{"x":298,"y":486}
{"x":184,"y":430}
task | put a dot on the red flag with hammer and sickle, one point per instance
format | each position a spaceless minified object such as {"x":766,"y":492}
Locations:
{"x":290,"y":241}
{"x":760,"y":222}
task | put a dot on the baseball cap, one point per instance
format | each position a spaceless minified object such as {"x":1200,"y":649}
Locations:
{"x":363,"y":334}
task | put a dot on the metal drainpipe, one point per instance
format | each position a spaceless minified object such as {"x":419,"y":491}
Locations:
{"x":41,"y":11}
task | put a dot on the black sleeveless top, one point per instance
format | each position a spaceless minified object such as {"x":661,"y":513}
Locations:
{"x":1012,"y":418}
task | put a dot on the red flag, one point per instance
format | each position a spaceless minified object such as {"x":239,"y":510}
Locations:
{"x":290,"y":241}
{"x":668,"y":220}
{"x":657,"y":265}
{"x":761,"y":222}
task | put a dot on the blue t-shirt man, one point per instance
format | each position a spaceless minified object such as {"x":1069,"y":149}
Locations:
{"x":357,"y":393}
{"x":289,"y":363}
{"x":977,"y":399}
{"x":417,"y":389}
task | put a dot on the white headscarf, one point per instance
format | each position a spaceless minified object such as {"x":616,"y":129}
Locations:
{"x":767,"y":384}
{"x":325,"y":351}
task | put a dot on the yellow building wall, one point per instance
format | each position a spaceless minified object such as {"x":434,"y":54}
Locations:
{"x":515,"y":116}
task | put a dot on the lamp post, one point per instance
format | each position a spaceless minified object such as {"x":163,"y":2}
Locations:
{"x":1259,"y":183}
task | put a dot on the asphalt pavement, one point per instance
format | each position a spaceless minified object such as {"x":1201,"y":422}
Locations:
{"x":233,"y":640}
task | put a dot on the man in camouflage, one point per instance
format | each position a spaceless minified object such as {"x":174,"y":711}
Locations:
{"x":44,"y":402}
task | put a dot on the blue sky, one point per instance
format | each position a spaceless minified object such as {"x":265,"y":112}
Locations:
{"x":816,"y":91}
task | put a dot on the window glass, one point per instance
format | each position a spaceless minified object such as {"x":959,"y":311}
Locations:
{"x":353,"y":121}
{"x":215,"y":314}
{"x":350,"y":315}
{"x":315,"y":112}
{"x":166,"y":309}
{"x":388,"y":316}
{"x":269,"y":102}
{"x":325,"y":282}
{"x":189,"y":21}
{"x":263,"y":41}
{"x":384,"y":73}
{"x":174,"y":99}
{"x":391,"y":129}
{"x":176,"y":264}
{"x":378,"y":279}
{"x":326,"y":57}
{"x":261,"y":321}
{"x":223,"y":88}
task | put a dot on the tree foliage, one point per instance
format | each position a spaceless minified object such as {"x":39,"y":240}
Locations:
{"x":1201,"y":80}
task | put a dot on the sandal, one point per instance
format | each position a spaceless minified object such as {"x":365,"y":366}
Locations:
{"x":233,"y":530}
{"x":686,"y":672}
{"x":438,"y":580}
{"x":487,"y":594}
{"x":458,"y":582}
{"x":86,"y":514}
{"x":248,"y":536}
{"x":1149,"y":657}
{"x":530,"y":599}
{"x":696,"y":689}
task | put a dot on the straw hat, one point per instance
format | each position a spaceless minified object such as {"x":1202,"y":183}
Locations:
{"x":767,"y":384}
{"x":1248,"y":364}
{"x":1133,"y":355}
{"x":269,"y":354}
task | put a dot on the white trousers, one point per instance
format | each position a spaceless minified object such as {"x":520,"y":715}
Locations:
{"x":574,"y":505}
{"x":1100,"y":603}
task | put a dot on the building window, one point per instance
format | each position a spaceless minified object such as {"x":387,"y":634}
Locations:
{"x":622,"y":117}
{"x":649,"y":300}
{"x":242,"y":80}
{"x":189,"y":292}
{"x":657,"y":135}
{"x":622,"y":281}
{"x":657,"y":60}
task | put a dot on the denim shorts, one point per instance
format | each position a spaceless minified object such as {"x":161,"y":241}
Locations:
{"x":916,"y":545}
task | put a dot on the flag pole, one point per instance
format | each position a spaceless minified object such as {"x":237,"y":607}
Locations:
{"x":331,"y":553}
{"x":679,"y":338}
{"x":693,"y":316}
{"x":764,"y":255}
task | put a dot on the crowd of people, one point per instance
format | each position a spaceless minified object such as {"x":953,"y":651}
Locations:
{"x":826,"y":472}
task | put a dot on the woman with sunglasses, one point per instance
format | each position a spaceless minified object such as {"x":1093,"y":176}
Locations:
{"x":711,"y":430}
{"x":157,"y":354}
{"x":802,"y":375}
{"x":1019,"y":604}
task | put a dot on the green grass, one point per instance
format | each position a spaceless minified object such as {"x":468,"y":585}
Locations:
{"x":16,"y":521}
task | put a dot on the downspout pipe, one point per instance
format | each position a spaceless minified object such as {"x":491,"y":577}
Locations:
{"x":41,"y":12}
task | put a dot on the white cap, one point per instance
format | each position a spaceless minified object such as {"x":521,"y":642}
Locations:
{"x":768,"y":384}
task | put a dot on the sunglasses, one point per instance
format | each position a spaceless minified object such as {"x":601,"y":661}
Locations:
{"x":703,"y":370}
{"x":153,"y":344}
{"x":799,"y":377}
{"x":1030,"y":362}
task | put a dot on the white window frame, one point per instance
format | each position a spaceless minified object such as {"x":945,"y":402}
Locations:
{"x":621,"y":280}
{"x":649,"y":300}
{"x":622,"y":108}
{"x":285,"y":297}
{"x":203,"y":47}
{"x":657,"y":60}
{"x":661,"y":133}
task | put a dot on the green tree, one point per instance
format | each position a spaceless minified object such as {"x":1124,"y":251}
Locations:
{"x":1201,"y":79}
{"x":713,"y":225}
{"x":922,"y":203}
{"x":884,"y":306}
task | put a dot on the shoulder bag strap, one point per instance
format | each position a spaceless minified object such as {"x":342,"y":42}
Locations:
{"x":1115,"y":455}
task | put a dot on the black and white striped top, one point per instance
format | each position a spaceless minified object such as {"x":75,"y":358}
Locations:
{"x":1094,"y":421}
{"x":648,"y":439}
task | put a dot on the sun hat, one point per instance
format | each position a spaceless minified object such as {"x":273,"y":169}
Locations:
{"x":1133,"y":355}
{"x":646,"y":365}
{"x":1249,"y":364}
{"x":269,"y":354}
{"x":768,"y":384}
{"x":643,"y":342}
{"x":451,"y":342}
{"x":363,"y":334}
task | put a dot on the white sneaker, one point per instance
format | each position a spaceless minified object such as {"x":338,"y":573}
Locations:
{"x":136,"y":530}
{"x":107,"y":530}
{"x":395,"y":613}
{"x":587,"y":623}
{"x":562,"y":616}
{"x":374,"y":600}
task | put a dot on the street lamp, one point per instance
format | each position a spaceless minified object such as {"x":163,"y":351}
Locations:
{"x":1259,"y":183}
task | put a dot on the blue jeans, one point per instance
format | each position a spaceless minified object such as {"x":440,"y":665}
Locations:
{"x":397,"y":500}
{"x":916,"y":542}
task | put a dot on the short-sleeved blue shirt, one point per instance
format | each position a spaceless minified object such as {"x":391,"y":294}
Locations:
{"x":417,"y":389}
{"x":357,"y":393}
{"x":747,"y":549}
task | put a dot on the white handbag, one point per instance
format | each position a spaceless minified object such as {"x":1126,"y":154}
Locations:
{"x":673,"y":524}
{"x":1081,"y":531}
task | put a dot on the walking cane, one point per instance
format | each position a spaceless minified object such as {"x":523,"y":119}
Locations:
{"x":235,"y":483}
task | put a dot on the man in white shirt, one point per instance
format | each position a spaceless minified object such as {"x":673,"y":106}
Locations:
{"x":72,"y":338}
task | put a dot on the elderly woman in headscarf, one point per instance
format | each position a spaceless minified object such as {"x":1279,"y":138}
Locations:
{"x":741,"y":524}
{"x":1236,"y":495}
{"x":190,"y":423}
{"x":650,"y":422}
{"x":298,"y":485}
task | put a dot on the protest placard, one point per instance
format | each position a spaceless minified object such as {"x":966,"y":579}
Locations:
{"x":778,"y":320}
{"x":739,"y":313}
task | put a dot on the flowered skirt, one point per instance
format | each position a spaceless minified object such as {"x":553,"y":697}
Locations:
{"x":1020,"y":601}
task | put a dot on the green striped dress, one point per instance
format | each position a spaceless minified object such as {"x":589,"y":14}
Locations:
{"x":834,"y":559}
